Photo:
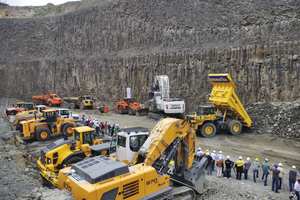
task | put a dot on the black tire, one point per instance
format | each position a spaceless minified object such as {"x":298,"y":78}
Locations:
{"x":43,"y":134}
{"x":208,"y":129}
{"x":81,"y":106}
{"x":120,"y":110}
{"x":131,"y":111}
{"x":234,"y":127}
{"x":66,"y":105}
{"x":72,"y":105}
{"x":67,"y":129}
{"x":73,"y":160}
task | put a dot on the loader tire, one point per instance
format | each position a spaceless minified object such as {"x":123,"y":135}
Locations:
{"x":73,"y":160}
{"x":131,"y":111}
{"x":81,"y":106}
{"x":234,"y":127}
{"x":66,"y":105}
{"x":121,"y":110}
{"x":208,"y":129}
{"x":43,"y":134}
{"x":72,"y":105}
{"x":68,"y":129}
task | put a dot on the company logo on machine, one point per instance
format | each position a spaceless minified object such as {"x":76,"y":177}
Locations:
{"x":220,"y":79}
{"x":175,"y":106}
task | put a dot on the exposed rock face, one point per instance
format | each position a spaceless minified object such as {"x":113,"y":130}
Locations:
{"x":104,"y":49}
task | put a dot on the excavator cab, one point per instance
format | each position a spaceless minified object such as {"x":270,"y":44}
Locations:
{"x":128,"y":100}
{"x":206,"y":110}
{"x":50,"y":116}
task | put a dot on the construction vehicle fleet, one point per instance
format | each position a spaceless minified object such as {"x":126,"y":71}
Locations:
{"x":226,"y":113}
{"x":160,"y":100}
{"x":42,"y":127}
{"x":167,"y":154}
{"x":48,"y":99}
{"x":64,"y":152}
{"x":83,"y":101}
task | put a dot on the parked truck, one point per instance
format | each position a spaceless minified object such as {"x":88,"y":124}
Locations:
{"x":226,"y":113}
{"x":83,"y":101}
{"x":48,"y":99}
{"x":160,"y":100}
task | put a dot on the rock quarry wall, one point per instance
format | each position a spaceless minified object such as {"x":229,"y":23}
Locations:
{"x":106,"y":48}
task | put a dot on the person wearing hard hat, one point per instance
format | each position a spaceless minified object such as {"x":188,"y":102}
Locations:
{"x":221,"y":155}
{"x":280,"y":175}
{"x":228,"y":166}
{"x":246,"y":168}
{"x":219,"y":165}
{"x":213,"y":156}
{"x":297,"y":189}
{"x":256,"y":167}
{"x":275,"y":177}
{"x":209,"y":163}
{"x":265,"y":167}
{"x":239,"y":168}
{"x":292,"y":177}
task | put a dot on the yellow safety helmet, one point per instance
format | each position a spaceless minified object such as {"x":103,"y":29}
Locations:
{"x":207,"y":150}
{"x":256,"y":159}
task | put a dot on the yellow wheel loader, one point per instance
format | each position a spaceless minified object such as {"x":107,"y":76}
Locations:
{"x":43,"y":126}
{"x":224,"y":102}
{"x":167,"y":155}
{"x":64,"y":152}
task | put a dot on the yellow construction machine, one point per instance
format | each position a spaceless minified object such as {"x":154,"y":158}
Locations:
{"x":42,"y":127}
{"x":226,"y":113}
{"x":64,"y":152}
{"x":167,"y":155}
{"x":3,"y":14}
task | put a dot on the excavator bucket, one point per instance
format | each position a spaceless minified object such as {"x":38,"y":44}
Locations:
{"x":143,"y":111}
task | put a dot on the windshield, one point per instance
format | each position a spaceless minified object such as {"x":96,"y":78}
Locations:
{"x":55,"y":96}
{"x":113,"y":144}
{"x":29,"y":106}
{"x":21,"y":105}
{"x":88,"y":137}
{"x":137,"y":141}
{"x":205,"y":110}
{"x":86,"y":98}
{"x":129,"y":101}
{"x":64,"y":112}
{"x":122,"y":141}
{"x":77,"y":135}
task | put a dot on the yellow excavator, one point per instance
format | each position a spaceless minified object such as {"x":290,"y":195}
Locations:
{"x":167,"y":155}
{"x":3,"y":14}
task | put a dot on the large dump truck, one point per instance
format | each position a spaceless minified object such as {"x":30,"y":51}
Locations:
{"x":48,"y":99}
{"x":83,"y":101}
{"x":224,"y":100}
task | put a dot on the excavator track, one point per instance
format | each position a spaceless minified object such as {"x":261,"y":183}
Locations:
{"x":179,"y":193}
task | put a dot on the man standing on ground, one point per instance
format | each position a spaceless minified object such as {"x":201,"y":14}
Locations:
{"x":219,"y":165}
{"x":265,"y":167}
{"x":221,"y":155}
{"x":275,"y":177}
{"x":246,"y":168}
{"x":297,"y":189}
{"x":239,"y":168}
{"x":209,"y":163}
{"x":105,"y":126}
{"x":292,"y":177}
{"x":83,"y":117}
{"x":213,"y":156}
{"x":256,"y":166}
{"x":228,"y":166}
{"x":280,"y":174}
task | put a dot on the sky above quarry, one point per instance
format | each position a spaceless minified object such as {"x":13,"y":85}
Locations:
{"x":34,"y":2}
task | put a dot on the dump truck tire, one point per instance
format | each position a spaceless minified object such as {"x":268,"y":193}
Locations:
{"x":72,"y":105}
{"x":72,"y":160}
{"x":81,"y":106}
{"x":235,"y":127}
{"x":208,"y":129}
{"x":66,"y":105}
{"x":67,"y":129}
{"x":131,"y":111}
{"x":43,"y":134}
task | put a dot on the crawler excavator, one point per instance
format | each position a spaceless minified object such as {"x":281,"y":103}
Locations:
{"x":167,"y":155}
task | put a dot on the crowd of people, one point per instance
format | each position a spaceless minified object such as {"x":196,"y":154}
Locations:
{"x":100,"y":127}
{"x":225,"y":166}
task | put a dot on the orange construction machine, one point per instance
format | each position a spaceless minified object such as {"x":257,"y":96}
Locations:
{"x":129,"y":106}
{"x":49,"y":99}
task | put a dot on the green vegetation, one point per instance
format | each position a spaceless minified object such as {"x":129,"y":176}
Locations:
{"x":50,"y":11}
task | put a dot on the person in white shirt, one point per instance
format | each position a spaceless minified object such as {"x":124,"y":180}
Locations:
{"x":297,"y":189}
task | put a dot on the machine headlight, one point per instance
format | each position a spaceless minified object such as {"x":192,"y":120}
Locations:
{"x":48,"y":160}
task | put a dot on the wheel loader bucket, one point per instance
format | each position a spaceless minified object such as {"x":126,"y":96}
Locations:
{"x":143,"y":111}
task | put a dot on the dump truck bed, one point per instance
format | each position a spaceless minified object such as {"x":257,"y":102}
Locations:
{"x":224,"y":98}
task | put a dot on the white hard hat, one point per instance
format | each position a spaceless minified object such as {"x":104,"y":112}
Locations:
{"x":240,"y":157}
{"x":266,"y":160}
{"x":220,"y":158}
{"x":199,"y":148}
{"x":293,"y":167}
{"x":207,"y":153}
{"x":228,"y":157}
{"x":214,"y":151}
{"x":248,"y":158}
{"x":280,"y":164}
{"x":220,"y":151}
